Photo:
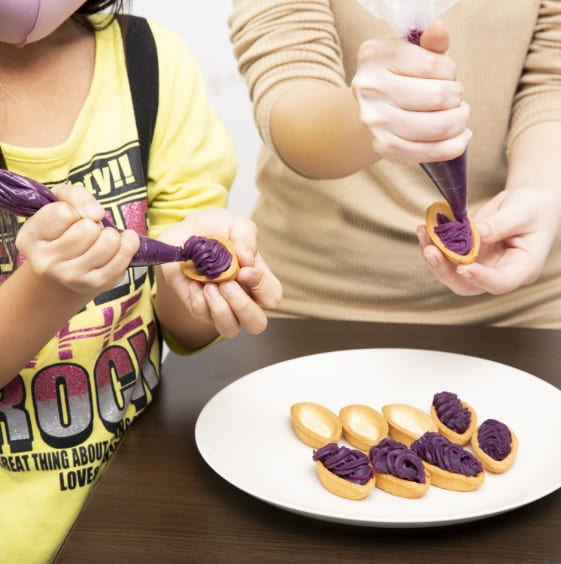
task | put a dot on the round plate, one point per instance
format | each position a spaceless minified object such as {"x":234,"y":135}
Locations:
{"x":245,"y":434}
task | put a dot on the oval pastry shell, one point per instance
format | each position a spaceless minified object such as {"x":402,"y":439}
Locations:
{"x":431,"y":222}
{"x":459,"y":438}
{"x":453,"y":480}
{"x":488,"y":462}
{"x":363,"y":426}
{"x":401,"y":487}
{"x":314,"y":424}
{"x":407,"y":423}
{"x":231,"y":273}
{"x":341,"y":487}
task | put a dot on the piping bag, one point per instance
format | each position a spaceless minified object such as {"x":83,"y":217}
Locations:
{"x":24,"y":196}
{"x":410,"y":18}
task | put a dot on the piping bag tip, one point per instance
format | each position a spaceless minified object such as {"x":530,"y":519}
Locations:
{"x":450,"y":177}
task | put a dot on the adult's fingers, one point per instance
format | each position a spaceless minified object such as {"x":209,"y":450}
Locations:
{"x":403,"y":58}
{"x":421,"y":125}
{"x":515,"y":270}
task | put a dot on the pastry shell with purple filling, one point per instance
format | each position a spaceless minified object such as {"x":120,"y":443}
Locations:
{"x":342,"y":487}
{"x":431,"y":221}
{"x":488,"y":462}
{"x":459,"y":438}
{"x":231,"y":273}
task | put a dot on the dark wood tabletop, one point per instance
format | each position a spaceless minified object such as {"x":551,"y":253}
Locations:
{"x":158,"y":500}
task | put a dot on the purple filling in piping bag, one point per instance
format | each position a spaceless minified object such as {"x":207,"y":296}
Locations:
{"x":23,"y":197}
{"x":450,"y":177}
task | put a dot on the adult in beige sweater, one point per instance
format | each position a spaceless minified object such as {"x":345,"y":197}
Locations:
{"x":341,"y":194}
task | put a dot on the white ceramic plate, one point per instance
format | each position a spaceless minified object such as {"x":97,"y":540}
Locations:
{"x":245,"y":433}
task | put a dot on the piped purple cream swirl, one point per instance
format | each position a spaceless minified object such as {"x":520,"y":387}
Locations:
{"x":455,"y":235}
{"x":392,"y":457}
{"x":495,"y":439}
{"x":451,"y":411}
{"x":209,"y":256}
{"x":350,"y":464}
{"x":437,"y":450}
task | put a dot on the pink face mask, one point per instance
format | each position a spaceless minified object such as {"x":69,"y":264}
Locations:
{"x":25,"y":21}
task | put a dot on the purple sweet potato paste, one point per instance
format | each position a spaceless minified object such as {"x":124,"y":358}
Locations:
{"x":209,"y":256}
{"x":494,"y":439}
{"x":451,"y":411}
{"x":437,"y":450}
{"x":455,"y":235}
{"x":392,"y":457}
{"x":22,"y":196}
{"x":350,"y":464}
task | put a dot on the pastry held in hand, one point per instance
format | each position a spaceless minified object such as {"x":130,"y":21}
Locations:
{"x":459,"y":241}
{"x":210,"y":259}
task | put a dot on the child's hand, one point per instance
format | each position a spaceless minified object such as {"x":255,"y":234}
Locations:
{"x":410,"y":99}
{"x":517,"y":230}
{"x":227,"y":305}
{"x":65,"y":243}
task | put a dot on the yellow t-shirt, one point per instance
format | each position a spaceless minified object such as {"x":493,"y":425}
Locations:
{"x":63,"y":416}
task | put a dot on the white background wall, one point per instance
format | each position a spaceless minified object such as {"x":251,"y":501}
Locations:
{"x":203,"y":26}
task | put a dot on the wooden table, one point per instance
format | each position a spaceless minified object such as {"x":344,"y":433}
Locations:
{"x":158,"y":501}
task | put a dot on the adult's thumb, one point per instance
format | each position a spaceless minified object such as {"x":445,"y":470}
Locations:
{"x":436,"y":37}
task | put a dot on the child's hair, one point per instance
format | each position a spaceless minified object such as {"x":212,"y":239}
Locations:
{"x":94,"y":6}
{"x":89,"y":7}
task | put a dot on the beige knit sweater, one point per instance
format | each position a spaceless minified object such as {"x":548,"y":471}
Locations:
{"x":347,"y":248}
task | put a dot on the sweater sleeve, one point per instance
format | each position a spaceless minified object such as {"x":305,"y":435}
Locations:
{"x":538,"y":97}
{"x":281,"y":43}
{"x":192,"y":161}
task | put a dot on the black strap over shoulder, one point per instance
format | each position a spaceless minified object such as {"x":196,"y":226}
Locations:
{"x":142,"y":68}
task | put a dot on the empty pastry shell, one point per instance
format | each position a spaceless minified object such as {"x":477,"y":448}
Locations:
{"x":459,"y":438}
{"x":230,"y":273}
{"x":314,"y":424}
{"x":341,"y":487}
{"x":488,"y":462}
{"x":431,"y":222}
{"x":407,"y":423}
{"x":363,"y":426}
